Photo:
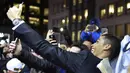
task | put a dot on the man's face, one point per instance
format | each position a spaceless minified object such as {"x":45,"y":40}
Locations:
{"x":98,"y":47}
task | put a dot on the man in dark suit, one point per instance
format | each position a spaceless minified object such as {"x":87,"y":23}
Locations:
{"x":83,"y":62}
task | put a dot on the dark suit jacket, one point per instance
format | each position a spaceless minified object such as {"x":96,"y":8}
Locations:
{"x":37,"y":63}
{"x":84,"y":62}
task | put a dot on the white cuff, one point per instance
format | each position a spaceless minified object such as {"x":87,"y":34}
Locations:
{"x":18,"y":25}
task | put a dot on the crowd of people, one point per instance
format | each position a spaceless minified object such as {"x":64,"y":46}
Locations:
{"x":30,"y":53}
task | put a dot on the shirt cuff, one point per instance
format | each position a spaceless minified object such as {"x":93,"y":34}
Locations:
{"x":18,"y":25}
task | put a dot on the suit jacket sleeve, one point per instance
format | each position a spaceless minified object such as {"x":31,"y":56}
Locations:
{"x":56,"y":55}
{"x":35,"y":62}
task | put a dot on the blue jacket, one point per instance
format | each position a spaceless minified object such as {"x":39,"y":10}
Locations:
{"x":90,"y":36}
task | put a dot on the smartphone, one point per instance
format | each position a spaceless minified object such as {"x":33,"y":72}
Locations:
{"x":91,"y":27}
{"x":104,"y":30}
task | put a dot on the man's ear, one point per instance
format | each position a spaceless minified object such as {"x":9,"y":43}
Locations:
{"x":107,"y":46}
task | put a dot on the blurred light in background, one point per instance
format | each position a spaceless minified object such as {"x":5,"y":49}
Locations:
{"x":111,"y":9}
{"x":74,"y":2}
{"x":34,"y":10}
{"x":67,"y":20}
{"x":79,"y":1}
{"x":74,"y":17}
{"x":61,"y":29}
{"x":103,"y":13}
{"x":45,"y":21}
{"x":128,"y":5}
{"x":46,"y":12}
{"x":34,"y":21}
{"x":86,"y":13}
{"x":63,"y":21}
{"x":79,"y":18}
{"x":120,"y":10}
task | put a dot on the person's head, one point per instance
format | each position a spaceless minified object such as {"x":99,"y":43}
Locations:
{"x":75,"y":49}
{"x":88,"y":44}
{"x":14,"y":66}
{"x":106,"y":46}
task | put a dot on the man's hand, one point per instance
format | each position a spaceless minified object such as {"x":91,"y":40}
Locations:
{"x":50,"y":32}
{"x":14,"y":12}
{"x":91,"y":28}
{"x":16,"y":47}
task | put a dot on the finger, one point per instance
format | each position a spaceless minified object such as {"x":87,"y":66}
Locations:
{"x":12,"y":46}
{"x":13,"y":42}
{"x":19,"y":42}
{"x":20,"y":6}
{"x":14,"y":8}
{"x":11,"y":50}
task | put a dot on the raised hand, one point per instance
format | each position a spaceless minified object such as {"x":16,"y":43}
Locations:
{"x":15,"y":47}
{"x":14,"y":12}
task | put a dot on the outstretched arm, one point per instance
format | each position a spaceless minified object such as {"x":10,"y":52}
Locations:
{"x":35,"y":62}
{"x":64,"y":59}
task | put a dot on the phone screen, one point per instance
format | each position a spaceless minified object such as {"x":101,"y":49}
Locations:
{"x":104,"y":30}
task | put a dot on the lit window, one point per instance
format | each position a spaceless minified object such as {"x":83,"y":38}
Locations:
{"x":86,"y":13}
{"x":103,"y":13}
{"x":119,"y":31}
{"x":128,"y":5}
{"x":79,"y":32}
{"x":74,"y":17}
{"x":74,"y":2}
{"x":34,"y":21}
{"x":73,"y":36}
{"x":64,"y":5}
{"x":45,"y":21}
{"x":111,"y":9}
{"x":120,"y":10}
{"x":38,"y":1}
{"x":63,"y":21}
{"x":80,"y":1}
{"x":79,"y":18}
{"x":34,"y":10}
{"x":46,"y":12}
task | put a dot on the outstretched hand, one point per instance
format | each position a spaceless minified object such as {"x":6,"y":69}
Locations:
{"x":50,"y":32}
{"x":14,"y":12}
{"x":15,"y":47}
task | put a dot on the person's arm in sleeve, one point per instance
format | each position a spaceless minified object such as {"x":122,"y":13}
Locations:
{"x":64,"y":59}
{"x":54,"y":54}
{"x":35,"y":62}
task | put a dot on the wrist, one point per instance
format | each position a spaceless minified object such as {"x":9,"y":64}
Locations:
{"x":17,"y":21}
{"x":17,"y":52}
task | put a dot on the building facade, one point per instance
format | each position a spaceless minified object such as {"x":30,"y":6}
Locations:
{"x":58,"y":16}
{"x":35,"y":13}
{"x":114,"y":15}
{"x":74,"y":14}
{"x":58,"y":13}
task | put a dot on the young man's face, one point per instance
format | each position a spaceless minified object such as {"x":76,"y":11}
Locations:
{"x":99,"y":46}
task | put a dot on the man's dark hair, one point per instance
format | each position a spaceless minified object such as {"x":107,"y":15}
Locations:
{"x":115,"y":45}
